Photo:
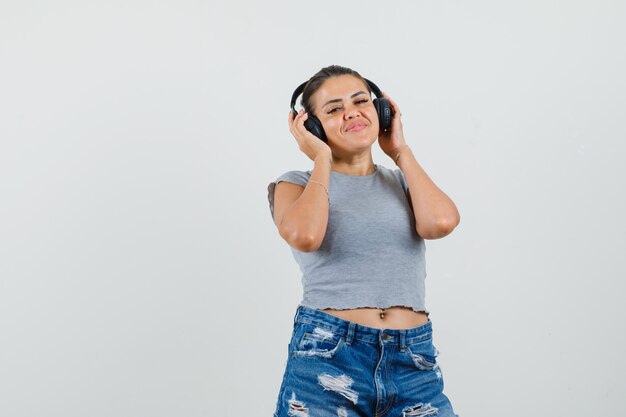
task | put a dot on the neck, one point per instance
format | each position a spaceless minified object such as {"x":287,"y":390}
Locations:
{"x":355,"y":170}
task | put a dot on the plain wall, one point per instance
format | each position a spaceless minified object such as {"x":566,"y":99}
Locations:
{"x":141,"y":273}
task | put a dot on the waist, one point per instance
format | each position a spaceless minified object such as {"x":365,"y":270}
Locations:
{"x":396,"y":317}
{"x":340,"y":326}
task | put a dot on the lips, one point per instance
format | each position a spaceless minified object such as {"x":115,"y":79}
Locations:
{"x":356,"y":127}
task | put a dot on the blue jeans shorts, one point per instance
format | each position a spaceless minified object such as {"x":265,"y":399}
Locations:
{"x":343,"y":369}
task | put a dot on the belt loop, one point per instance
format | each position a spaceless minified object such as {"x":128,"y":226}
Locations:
{"x":350,"y":335}
{"x":402,"y":339}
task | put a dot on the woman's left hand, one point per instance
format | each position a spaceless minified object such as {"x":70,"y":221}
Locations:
{"x":392,"y":140}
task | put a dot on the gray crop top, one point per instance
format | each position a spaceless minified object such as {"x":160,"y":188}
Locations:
{"x":371,"y":255}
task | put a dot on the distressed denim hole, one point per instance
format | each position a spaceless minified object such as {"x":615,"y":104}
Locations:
{"x":319,"y":342}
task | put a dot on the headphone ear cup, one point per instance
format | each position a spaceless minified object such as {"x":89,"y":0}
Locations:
{"x":383,"y":108}
{"x":313,"y":125}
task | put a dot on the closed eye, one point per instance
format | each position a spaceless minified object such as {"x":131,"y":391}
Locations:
{"x":337,"y":108}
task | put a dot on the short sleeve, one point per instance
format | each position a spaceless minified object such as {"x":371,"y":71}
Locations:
{"x":296,"y":177}
{"x":400,"y":175}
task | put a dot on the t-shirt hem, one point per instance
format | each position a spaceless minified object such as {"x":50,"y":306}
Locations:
{"x":415,"y":308}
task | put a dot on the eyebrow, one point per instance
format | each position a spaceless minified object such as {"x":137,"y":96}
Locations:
{"x":338,"y":100}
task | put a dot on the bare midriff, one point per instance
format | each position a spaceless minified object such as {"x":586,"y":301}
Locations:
{"x":396,"y":317}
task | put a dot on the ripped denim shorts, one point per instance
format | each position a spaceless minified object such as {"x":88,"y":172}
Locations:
{"x":339,"y":368}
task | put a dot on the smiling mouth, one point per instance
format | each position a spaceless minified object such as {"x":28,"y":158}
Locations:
{"x":356,"y":128}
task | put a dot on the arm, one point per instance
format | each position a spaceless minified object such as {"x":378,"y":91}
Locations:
{"x":301,"y":213}
{"x":435,"y":213}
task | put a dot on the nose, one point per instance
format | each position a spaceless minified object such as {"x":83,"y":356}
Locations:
{"x":351,"y":111}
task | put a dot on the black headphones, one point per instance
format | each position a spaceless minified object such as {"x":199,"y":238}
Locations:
{"x":313,"y":124}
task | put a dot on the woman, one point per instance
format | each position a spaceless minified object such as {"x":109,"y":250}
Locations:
{"x":362,"y":339}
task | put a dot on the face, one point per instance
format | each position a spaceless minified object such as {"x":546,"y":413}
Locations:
{"x":345,"y":108}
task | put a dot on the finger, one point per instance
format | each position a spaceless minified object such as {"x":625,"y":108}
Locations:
{"x":390,"y":99}
{"x":297,"y":127}
{"x":393,"y":103}
{"x":396,"y":109}
{"x":292,"y":124}
{"x":295,"y":118}
{"x":293,"y":121}
{"x":301,"y":118}
{"x":298,"y":116}
{"x":292,"y":116}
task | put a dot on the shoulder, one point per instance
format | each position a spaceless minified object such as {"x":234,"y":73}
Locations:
{"x":395,"y":171}
{"x":295,"y":176}
{"x":394,"y":175}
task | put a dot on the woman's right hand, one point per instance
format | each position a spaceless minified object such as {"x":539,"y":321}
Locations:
{"x":310,"y":144}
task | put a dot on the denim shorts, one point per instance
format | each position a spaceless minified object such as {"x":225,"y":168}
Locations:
{"x":340,"y":368}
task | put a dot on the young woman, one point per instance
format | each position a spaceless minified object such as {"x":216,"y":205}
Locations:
{"x":362,"y":339}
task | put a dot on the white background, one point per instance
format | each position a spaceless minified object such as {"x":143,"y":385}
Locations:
{"x":141,"y":273}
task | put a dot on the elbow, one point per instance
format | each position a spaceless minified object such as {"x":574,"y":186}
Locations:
{"x":304,"y":242}
{"x":440,"y":228}
{"x":308,"y":245}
